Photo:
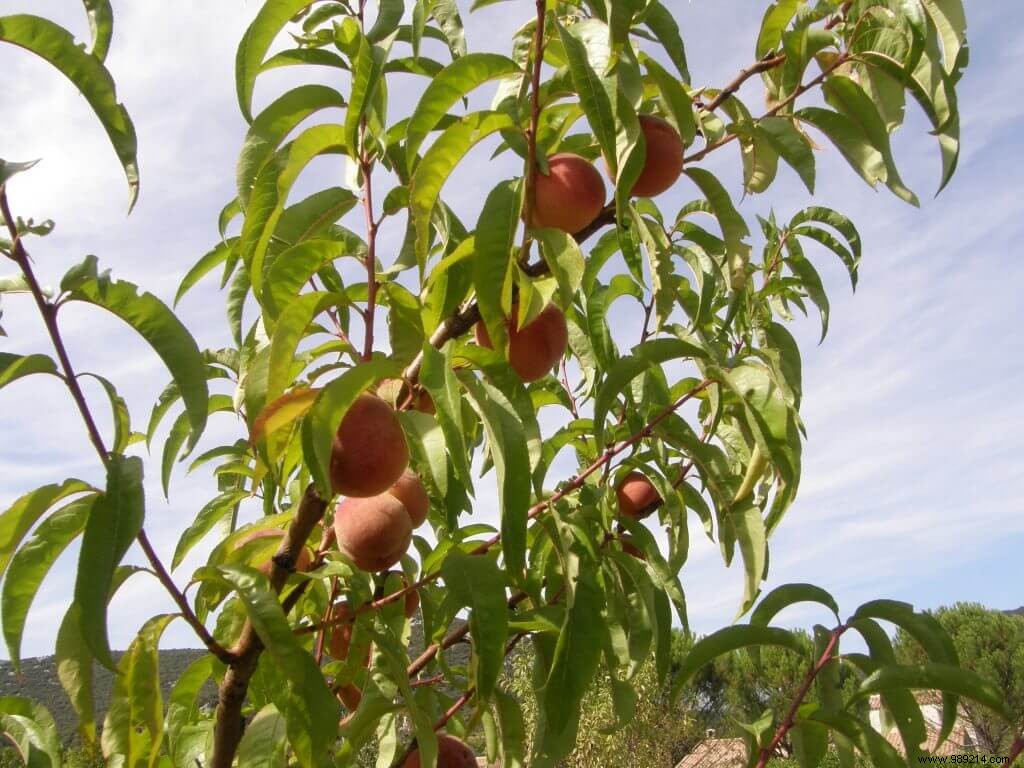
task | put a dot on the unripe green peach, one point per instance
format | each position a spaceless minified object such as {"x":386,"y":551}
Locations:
{"x":451,"y":753}
{"x":410,"y":491}
{"x":569,"y":197}
{"x":303,"y":561}
{"x":664,"y":163}
{"x":373,"y":533}
{"x":369,"y":452}
{"x":637,"y":496}
{"x":534,"y":350}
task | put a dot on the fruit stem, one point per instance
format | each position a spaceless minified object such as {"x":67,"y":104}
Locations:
{"x":49,"y":315}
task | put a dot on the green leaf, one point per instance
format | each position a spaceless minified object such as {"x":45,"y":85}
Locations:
{"x":727,"y":640}
{"x":734,"y":228}
{"x":851,"y":258}
{"x":446,"y":14}
{"x":782,"y":597}
{"x":30,"y":565}
{"x":273,"y":124}
{"x":57,"y":46}
{"x":208,"y":516}
{"x":204,"y":266}
{"x":288,"y":333}
{"x":454,"y":83}
{"x":114,"y":522}
{"x":18,"y":519}
{"x":593,"y":97}
{"x":31,"y":729}
{"x":101,"y":24}
{"x":513,"y":730}
{"x":507,"y":441}
{"x":9,"y":170}
{"x":663,"y":24}
{"x":791,"y":145}
{"x":166,"y":334}
{"x":265,"y":742}
{"x":183,"y":705}
{"x":492,"y":259}
{"x":321,"y":423}
{"x":620,"y":373}
{"x":270,"y":192}
{"x":14,"y":367}
{"x":367,"y":66}
{"x":293,"y":268}
{"x":119,"y":413}
{"x":564,"y":258}
{"x":389,"y":16}
{"x":438,"y":163}
{"x":438,"y":378}
{"x":951,"y":22}
{"x":270,"y":20}
{"x":479,"y":584}
{"x":775,"y":21}
{"x":850,"y":99}
{"x":312,"y":706}
{"x":676,"y":99}
{"x":850,"y":140}
{"x":748,"y":525}
{"x":133,"y":727}
{"x":576,"y":658}
{"x":870,"y":742}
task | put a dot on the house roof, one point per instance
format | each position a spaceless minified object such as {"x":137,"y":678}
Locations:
{"x":717,"y":753}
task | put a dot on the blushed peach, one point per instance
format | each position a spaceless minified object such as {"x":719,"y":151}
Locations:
{"x":369,"y":452}
{"x":534,"y":350}
{"x":373,"y":532}
{"x":637,"y":496}
{"x":570,"y":196}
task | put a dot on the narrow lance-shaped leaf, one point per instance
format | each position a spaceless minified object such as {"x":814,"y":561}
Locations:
{"x":455,"y":82}
{"x":114,"y":522}
{"x":30,"y":565}
{"x":18,"y":519}
{"x":311,"y":703}
{"x":440,"y":160}
{"x":162,"y":329}
{"x":101,"y":23}
{"x":57,"y":46}
{"x":511,"y":458}
{"x":14,"y":367}
{"x":477,"y":583}
{"x":133,"y":727}
{"x":492,"y":260}
{"x":271,"y":19}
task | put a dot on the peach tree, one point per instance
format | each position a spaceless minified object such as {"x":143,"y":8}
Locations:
{"x":359,"y":459}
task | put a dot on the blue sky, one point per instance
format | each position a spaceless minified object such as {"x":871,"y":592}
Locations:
{"x":912,"y":470}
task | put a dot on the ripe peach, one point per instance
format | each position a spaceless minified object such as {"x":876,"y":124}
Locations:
{"x":412,"y":603}
{"x":451,"y":753}
{"x":570,"y":197}
{"x":664,"y":162}
{"x":410,"y":491}
{"x":370,"y":452}
{"x":303,"y":561}
{"x":534,"y":350}
{"x":637,"y":496}
{"x":373,"y":533}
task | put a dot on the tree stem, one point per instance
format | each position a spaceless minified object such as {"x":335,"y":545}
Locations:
{"x":49,"y":315}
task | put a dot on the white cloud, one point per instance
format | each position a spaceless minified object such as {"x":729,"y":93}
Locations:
{"x":911,"y":403}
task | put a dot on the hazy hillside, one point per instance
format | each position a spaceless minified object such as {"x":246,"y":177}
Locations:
{"x":38,"y":680}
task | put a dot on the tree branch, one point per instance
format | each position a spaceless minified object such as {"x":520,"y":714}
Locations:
{"x":49,"y":315}
{"x":787,"y":724}
{"x":233,"y":689}
{"x":764,"y":65}
{"x":530,"y":178}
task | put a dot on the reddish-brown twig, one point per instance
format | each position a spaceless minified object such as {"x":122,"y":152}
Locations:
{"x":49,"y":315}
{"x":787,"y":724}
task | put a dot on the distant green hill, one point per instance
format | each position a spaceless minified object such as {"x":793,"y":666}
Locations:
{"x":38,"y":681}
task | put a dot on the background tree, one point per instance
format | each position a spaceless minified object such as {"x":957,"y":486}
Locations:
{"x":990,"y":643}
{"x":351,"y":364}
